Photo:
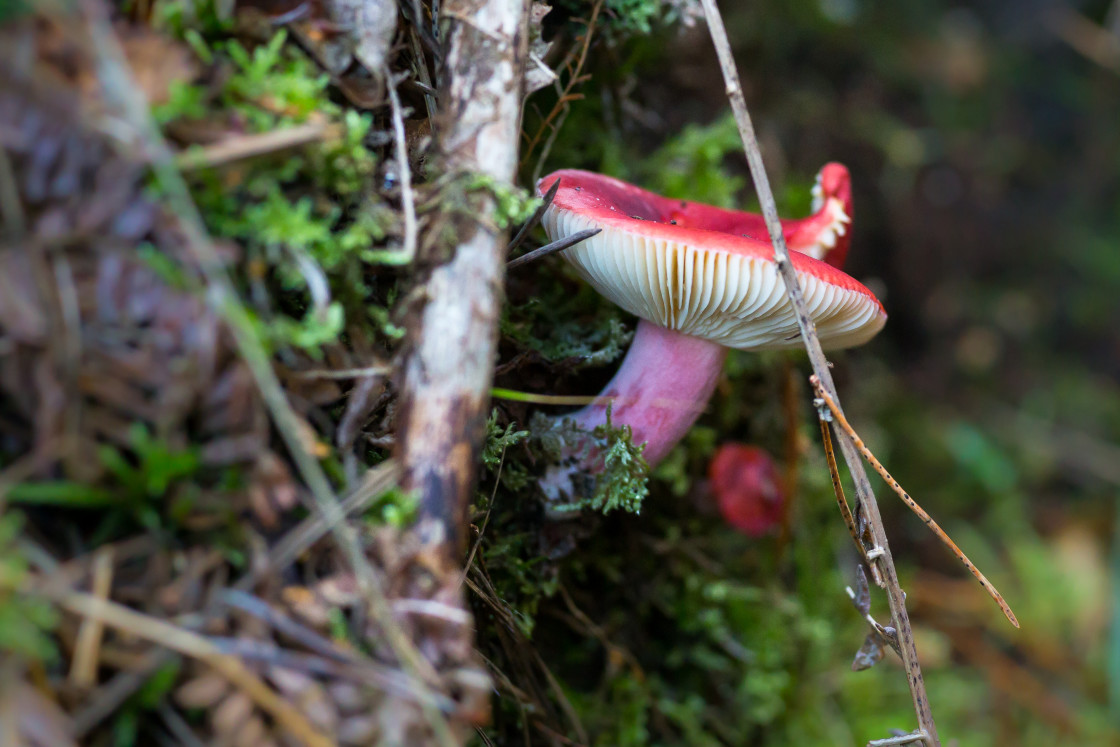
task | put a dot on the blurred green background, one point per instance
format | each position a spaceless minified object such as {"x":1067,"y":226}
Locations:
{"x":984,"y":145}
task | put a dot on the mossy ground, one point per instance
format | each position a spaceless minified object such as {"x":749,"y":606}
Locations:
{"x":982,"y":152}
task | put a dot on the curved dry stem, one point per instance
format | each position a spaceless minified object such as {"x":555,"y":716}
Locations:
{"x":895,"y":595}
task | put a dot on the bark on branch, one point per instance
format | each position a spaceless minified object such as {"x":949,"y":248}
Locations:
{"x":449,"y":367}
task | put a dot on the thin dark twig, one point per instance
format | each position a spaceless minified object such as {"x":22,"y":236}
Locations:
{"x":178,"y":726}
{"x":556,"y":246}
{"x":252,"y":652}
{"x":293,"y":15}
{"x":485,"y":521}
{"x":895,"y":595}
{"x":842,"y":500}
{"x":535,"y":218}
{"x":564,"y":95}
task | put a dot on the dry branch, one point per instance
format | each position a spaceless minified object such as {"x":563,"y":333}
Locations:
{"x":453,"y":336}
{"x":884,"y":559}
{"x":448,"y":366}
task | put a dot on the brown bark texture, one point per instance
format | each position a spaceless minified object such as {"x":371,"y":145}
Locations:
{"x":447,"y":372}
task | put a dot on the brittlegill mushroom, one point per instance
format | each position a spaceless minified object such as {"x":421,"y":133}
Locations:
{"x":701,"y":279}
{"x":747,"y":488}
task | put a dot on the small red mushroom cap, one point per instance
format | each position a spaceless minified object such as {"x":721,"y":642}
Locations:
{"x":748,"y":488}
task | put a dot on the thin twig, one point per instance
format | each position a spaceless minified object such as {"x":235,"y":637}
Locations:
{"x":422,"y":72}
{"x":404,"y":173}
{"x":249,"y":146}
{"x":109,"y":697}
{"x":895,"y":595}
{"x":83,"y":666}
{"x":556,"y":246}
{"x":842,"y":500}
{"x":374,"y":484}
{"x":485,"y":520}
{"x":911,"y":738}
{"x":344,"y":373}
{"x":910,"y":502}
{"x":283,"y":624}
{"x":535,"y":218}
{"x":178,"y":726}
{"x":565,"y":96}
{"x":11,"y":206}
{"x":1086,"y":37}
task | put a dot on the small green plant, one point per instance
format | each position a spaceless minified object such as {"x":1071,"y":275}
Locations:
{"x":184,"y":101}
{"x":25,"y":621}
{"x":152,"y":694}
{"x":318,"y":327}
{"x":179,"y":17}
{"x":395,"y":508}
{"x":623,"y":482}
{"x":626,"y":17}
{"x":691,"y":164}
{"x":515,"y":205}
{"x":155,"y":464}
{"x":273,"y":83}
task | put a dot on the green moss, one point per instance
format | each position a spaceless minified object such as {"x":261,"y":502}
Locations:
{"x":623,"y":481}
{"x":310,"y":221}
{"x":625,"y":18}
{"x":513,"y":204}
{"x":540,"y":325}
{"x":692,"y":164}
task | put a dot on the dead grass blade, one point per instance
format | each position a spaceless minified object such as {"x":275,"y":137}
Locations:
{"x":191,"y":644}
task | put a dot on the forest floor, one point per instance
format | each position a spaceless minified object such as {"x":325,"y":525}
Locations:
{"x":204,"y":306}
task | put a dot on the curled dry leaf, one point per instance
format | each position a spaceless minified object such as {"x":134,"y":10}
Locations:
{"x":869,"y":654}
{"x":358,"y":730}
{"x":306,"y":606}
{"x":862,"y":599}
{"x":253,"y":731}
{"x":40,"y":721}
{"x":272,"y":490}
{"x":538,"y":75}
{"x":370,"y":25}
{"x":309,"y":695}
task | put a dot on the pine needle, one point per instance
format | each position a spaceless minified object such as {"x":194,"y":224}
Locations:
{"x":838,"y":416}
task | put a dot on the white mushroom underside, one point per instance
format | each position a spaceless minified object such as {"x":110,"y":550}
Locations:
{"x":827,"y":238}
{"x":711,"y":294}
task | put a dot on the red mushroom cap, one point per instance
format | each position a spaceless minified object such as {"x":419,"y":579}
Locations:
{"x":824,"y":235}
{"x":671,"y":262}
{"x":747,"y":487}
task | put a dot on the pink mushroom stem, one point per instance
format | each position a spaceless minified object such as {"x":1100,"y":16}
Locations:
{"x":661,"y":388}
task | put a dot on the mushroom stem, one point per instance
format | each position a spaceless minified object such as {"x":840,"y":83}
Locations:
{"x":661,"y":388}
